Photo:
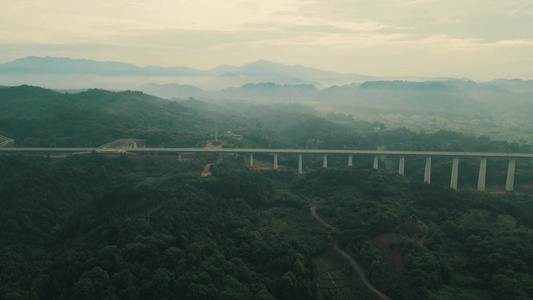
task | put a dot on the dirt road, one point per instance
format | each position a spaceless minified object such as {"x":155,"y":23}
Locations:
{"x":352,"y":261}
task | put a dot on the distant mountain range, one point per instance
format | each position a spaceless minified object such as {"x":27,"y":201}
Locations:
{"x":223,"y":76}
{"x":69,"y":66}
{"x":261,"y":80}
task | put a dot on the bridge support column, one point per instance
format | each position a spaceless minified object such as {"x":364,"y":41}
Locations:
{"x":350,"y":160}
{"x":325,"y":161}
{"x":251,"y":160}
{"x":509,"y":184}
{"x":482,"y":174}
{"x":455,"y":172}
{"x":401,"y":167}
{"x":275,"y":161}
{"x":427,"y":171}
{"x":376,"y":162}
{"x":300,"y":168}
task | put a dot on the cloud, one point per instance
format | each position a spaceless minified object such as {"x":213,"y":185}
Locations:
{"x":516,"y":42}
{"x":62,"y":21}
{"x":206,"y":33}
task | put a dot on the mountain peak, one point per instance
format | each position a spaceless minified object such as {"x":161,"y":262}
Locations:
{"x":222,"y":76}
{"x":265,"y":64}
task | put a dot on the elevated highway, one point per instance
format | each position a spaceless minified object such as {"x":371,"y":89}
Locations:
{"x":325,"y":152}
{"x":273,"y":151}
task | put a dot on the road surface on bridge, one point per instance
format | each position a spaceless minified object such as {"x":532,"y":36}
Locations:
{"x":273,"y":151}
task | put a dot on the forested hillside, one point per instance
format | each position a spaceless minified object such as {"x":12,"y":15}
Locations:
{"x":39,"y":117}
{"x":420,"y":241}
{"x":139,"y":227}
{"x":89,"y":227}
{"x":34,"y":116}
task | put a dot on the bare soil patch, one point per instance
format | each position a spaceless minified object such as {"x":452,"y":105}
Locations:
{"x":206,"y":171}
{"x":387,"y":242}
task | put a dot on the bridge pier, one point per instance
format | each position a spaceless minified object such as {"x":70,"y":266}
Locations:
{"x":482,"y":174}
{"x":376,"y":161}
{"x":325,"y":161}
{"x":300,"y":168}
{"x":251,"y":160}
{"x":350,"y":160}
{"x":401,"y":167}
{"x":275,"y":161}
{"x":509,"y":184}
{"x":427,"y":171}
{"x":455,"y":172}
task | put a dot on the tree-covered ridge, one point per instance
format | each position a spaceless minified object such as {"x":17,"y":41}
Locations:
{"x":38,"y":117}
{"x":35,"y":116}
{"x":90,"y":227}
{"x":418,"y":241}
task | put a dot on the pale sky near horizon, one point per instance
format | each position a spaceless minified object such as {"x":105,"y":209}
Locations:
{"x":476,"y":39}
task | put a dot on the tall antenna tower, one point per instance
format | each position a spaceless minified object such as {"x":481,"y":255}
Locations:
{"x":216,"y":130}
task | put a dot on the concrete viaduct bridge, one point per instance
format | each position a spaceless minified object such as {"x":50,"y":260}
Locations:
{"x":509,"y":185}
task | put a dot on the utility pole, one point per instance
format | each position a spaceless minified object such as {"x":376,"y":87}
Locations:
{"x":216,"y":131}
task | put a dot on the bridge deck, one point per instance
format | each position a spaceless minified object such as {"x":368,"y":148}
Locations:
{"x":273,"y":151}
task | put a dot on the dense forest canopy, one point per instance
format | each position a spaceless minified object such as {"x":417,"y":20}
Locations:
{"x":35,"y":116}
{"x":92,"y":226}
{"x":422,"y":241}
{"x":38,"y":117}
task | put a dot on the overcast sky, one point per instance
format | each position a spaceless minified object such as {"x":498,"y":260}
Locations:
{"x":477,"y":39}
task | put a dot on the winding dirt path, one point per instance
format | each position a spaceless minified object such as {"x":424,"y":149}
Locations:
{"x":352,"y":261}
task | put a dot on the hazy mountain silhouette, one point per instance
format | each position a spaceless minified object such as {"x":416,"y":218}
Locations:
{"x":231,"y":76}
{"x":269,"y":90}
{"x":69,"y":66}
{"x":269,"y":81}
{"x":171,"y":90}
{"x":266,"y":71}
{"x":516,"y":85}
